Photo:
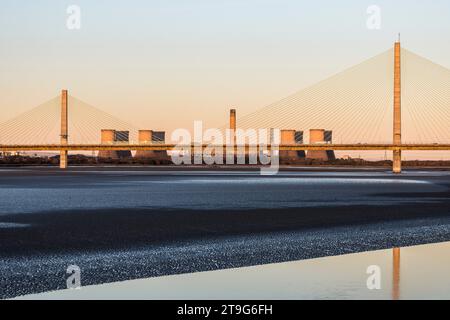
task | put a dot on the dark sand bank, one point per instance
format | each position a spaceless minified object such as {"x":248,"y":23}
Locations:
{"x":110,"y":229}
{"x":109,"y":247}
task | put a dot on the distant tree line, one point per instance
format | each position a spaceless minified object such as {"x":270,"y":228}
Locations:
{"x":18,"y":160}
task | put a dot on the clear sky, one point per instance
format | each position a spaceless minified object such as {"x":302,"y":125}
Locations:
{"x":164,"y":63}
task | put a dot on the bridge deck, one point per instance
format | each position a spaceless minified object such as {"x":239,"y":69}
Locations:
{"x":168,"y":147}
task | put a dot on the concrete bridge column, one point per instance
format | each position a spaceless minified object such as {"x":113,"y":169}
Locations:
{"x":63,"y":160}
{"x":397,"y":162}
{"x":397,"y":155}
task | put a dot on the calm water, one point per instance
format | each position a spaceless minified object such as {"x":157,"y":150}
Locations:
{"x":420,"y":272}
{"x":25,"y":192}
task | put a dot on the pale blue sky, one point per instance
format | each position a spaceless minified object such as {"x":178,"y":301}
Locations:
{"x":154,"y":60}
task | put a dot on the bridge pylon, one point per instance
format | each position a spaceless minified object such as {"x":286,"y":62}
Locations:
{"x":397,"y":154}
{"x":63,"y":160}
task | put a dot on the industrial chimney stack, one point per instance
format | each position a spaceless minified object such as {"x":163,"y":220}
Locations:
{"x":233,"y":125}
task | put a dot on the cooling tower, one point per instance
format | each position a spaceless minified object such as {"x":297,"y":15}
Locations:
{"x":288,"y":137}
{"x":329,"y":140}
{"x":317,"y":136}
{"x":152,"y":137}
{"x":122,"y":137}
{"x":299,"y":140}
{"x":146,"y":137}
{"x":159,"y":137}
{"x":107,"y":137}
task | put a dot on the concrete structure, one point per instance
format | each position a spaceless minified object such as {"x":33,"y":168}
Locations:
{"x":329,"y":140}
{"x":317,"y":148}
{"x":163,"y":147}
{"x":233,"y":125}
{"x":317,"y":136}
{"x":397,"y":154}
{"x":115,"y":138}
{"x":328,"y":136}
{"x":291,"y":138}
{"x":122,"y":137}
{"x":159,"y":137}
{"x":299,"y":135}
{"x":108,"y":137}
{"x":149,"y":137}
{"x":145,"y":137}
{"x":63,"y":161}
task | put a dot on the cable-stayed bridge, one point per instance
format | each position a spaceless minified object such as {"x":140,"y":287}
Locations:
{"x":394,"y":101}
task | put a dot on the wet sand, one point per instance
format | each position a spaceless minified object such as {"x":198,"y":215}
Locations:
{"x":116,"y":244}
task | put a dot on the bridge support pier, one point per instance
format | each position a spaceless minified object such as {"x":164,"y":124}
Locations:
{"x":397,"y":162}
{"x":63,"y":160}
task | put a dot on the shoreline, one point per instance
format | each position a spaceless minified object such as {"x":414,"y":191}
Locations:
{"x":234,"y":167}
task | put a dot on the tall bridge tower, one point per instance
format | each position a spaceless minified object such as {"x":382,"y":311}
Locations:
{"x":397,"y":154}
{"x":64,"y":129}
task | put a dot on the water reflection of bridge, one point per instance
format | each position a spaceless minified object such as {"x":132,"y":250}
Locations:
{"x":396,"y":274}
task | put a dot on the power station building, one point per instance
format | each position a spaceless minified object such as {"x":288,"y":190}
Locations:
{"x":151,"y":137}
{"x":112,"y":137}
{"x":329,"y":140}
{"x":299,"y":140}
{"x":108,"y":137}
{"x":122,"y":137}
{"x":291,"y":137}
{"x":321,"y":136}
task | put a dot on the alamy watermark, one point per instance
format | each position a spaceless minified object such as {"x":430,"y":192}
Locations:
{"x":374,"y":17}
{"x":374,"y":280}
{"x":215,"y":146}
{"x":73,"y":21}
{"x":74,"y":279}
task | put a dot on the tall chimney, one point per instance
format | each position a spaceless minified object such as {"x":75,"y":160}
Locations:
{"x":233,"y":125}
{"x":64,"y":129}
{"x":397,"y":154}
